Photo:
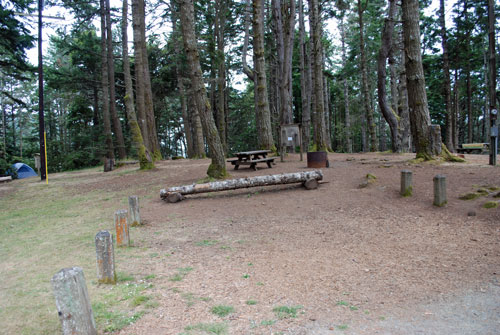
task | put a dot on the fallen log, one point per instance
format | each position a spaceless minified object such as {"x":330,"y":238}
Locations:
{"x":175,"y":194}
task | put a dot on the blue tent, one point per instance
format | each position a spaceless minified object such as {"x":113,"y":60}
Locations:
{"x":24,"y":170}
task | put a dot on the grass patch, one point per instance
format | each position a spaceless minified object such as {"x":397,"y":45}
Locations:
{"x":149,"y":277}
{"x":342,"y":327}
{"x":222,"y":310}
{"x":353,"y":308}
{"x":44,"y":228}
{"x":251,"y":302}
{"x":342,"y":303}
{"x":179,"y":276}
{"x":286,"y":312}
{"x":123,"y":277}
{"x":139,"y":300}
{"x":207,"y":328}
{"x":268,"y":322}
{"x":206,"y":243}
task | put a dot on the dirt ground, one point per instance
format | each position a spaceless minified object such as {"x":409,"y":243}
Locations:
{"x":350,"y":260}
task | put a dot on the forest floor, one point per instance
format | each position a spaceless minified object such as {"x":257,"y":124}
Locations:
{"x":341,"y":259}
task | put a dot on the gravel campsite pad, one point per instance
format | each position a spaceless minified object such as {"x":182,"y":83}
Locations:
{"x":347,"y":258}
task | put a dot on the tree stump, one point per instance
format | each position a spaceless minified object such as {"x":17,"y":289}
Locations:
{"x":406,"y":183}
{"x":133,"y":211}
{"x":105,"y":258}
{"x":122,"y":230}
{"x":73,"y":303}
{"x":440,"y":191}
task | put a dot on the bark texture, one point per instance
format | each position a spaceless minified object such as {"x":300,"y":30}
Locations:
{"x":364,"y":79}
{"x":117,"y":127}
{"x":263,"y":113}
{"x":347,"y":116}
{"x":385,"y":48}
{"x":446,"y":74}
{"x":417,"y":96}
{"x":232,"y":184}
{"x":304,"y":79}
{"x":110,"y":155}
{"x":145,"y":159}
{"x":320,"y":137}
{"x":218,"y":168}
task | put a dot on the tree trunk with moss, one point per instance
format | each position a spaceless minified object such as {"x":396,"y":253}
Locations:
{"x":417,"y":96}
{"x":139,"y":75}
{"x":218,"y":167}
{"x":145,"y":159}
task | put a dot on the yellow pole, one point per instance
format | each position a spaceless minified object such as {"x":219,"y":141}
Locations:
{"x":46,"y":170}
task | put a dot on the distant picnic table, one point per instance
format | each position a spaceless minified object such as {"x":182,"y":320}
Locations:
{"x":251,"y":158}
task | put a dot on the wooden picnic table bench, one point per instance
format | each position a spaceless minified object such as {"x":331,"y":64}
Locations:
{"x":251,"y":158}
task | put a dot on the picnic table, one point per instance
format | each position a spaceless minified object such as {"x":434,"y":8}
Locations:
{"x":251,"y":158}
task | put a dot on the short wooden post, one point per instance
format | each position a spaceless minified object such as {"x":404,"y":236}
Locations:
{"x":105,"y":258}
{"x":440,"y":191}
{"x":122,"y":231}
{"x":133,"y":211}
{"x":406,"y":183}
{"x":73,"y":303}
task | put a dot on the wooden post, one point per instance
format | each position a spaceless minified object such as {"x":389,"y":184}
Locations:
{"x":122,"y":231}
{"x":440,"y":191}
{"x":105,"y":258}
{"x":133,"y":211}
{"x":406,"y":183}
{"x":73,"y":303}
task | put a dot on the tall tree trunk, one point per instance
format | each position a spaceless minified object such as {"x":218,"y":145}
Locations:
{"x":364,"y":79}
{"x":385,"y":47}
{"x":218,"y":167}
{"x":417,"y":96}
{"x":187,"y":124}
{"x":145,"y":160}
{"x":117,"y":127}
{"x":456,"y":110}
{"x":220,"y":27}
{"x":404,"y":134}
{"x":320,"y":138}
{"x":263,"y":113}
{"x":446,"y":74}
{"x":284,"y":21}
{"x":95,"y":116}
{"x":139,"y":74}
{"x":492,"y":76}
{"x":148,"y":97}
{"x":347,"y":117}
{"x":105,"y":88}
{"x":195,"y":121}
{"x":304,"y":91}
